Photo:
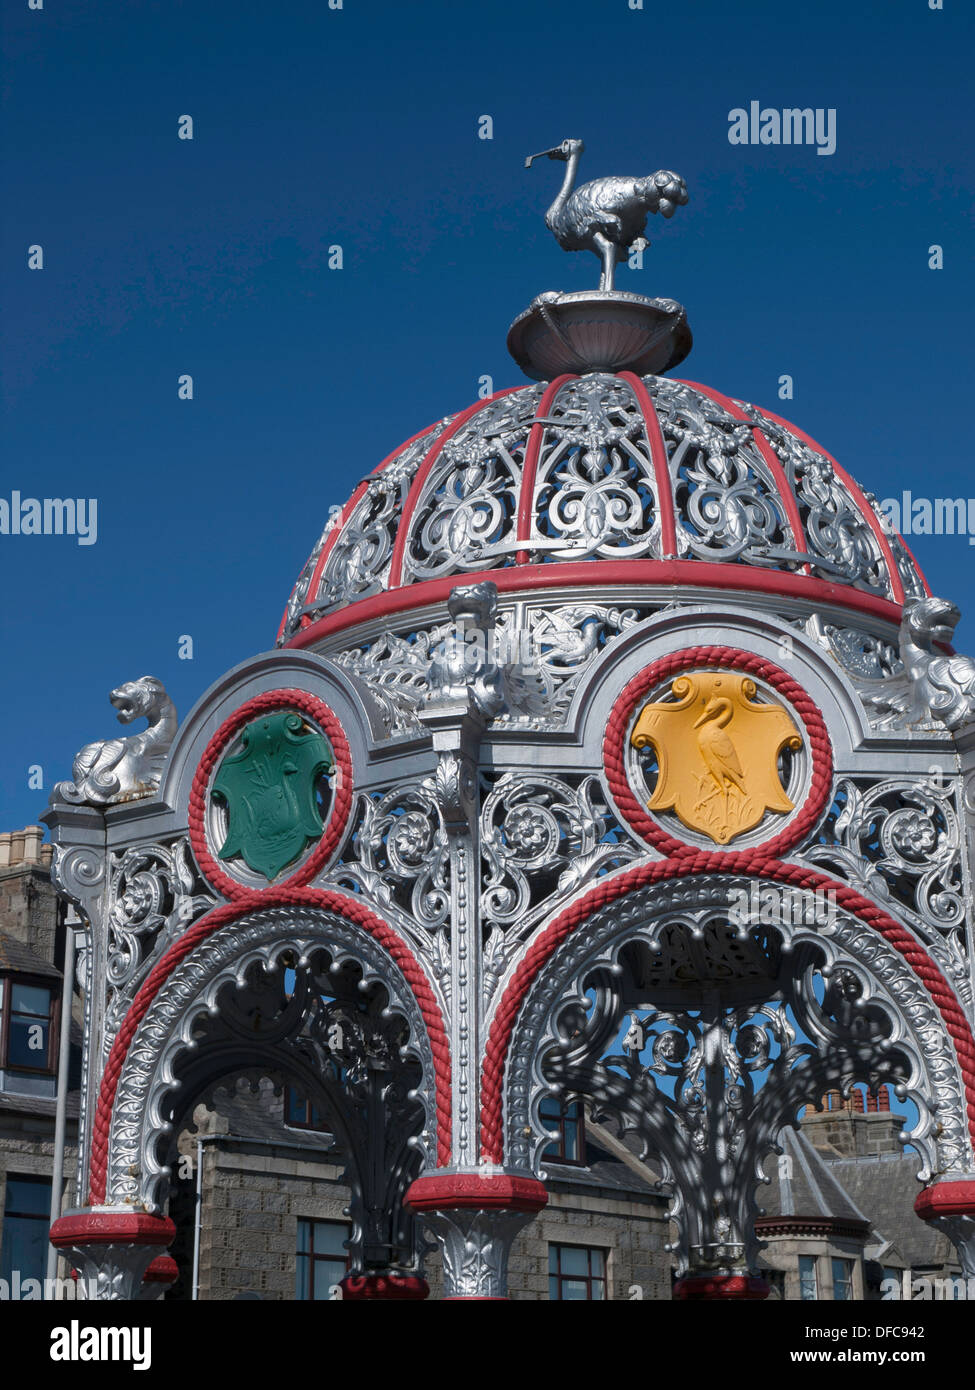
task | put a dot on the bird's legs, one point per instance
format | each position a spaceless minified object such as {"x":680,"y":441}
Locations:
{"x":607,"y":250}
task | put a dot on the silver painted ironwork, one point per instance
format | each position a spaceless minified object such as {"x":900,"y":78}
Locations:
{"x":125,"y":769}
{"x":709,"y":1005}
{"x":607,"y":216}
{"x":934,"y":686}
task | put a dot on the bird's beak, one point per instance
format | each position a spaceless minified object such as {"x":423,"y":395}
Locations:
{"x":545,"y":154}
{"x":708,"y":711}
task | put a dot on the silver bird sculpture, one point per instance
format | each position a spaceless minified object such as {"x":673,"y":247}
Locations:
{"x":607,"y":216}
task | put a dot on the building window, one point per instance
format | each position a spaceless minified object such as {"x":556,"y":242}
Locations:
{"x":842,"y":1280}
{"x":568,"y":1119}
{"x":576,"y":1272}
{"x":301,"y":1113}
{"x":807,"y":1278}
{"x":26,"y":1221}
{"x":322,"y":1259}
{"x":28,"y":1035}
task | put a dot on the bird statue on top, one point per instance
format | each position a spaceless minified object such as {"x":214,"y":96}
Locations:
{"x":607,"y":216}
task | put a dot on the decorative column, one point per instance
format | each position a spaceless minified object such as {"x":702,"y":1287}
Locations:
{"x":365,"y":1288}
{"x":474,"y":1212}
{"x":950,"y":1206}
{"x":161,"y":1275}
{"x":475,"y":1218}
{"x":113,"y":1248}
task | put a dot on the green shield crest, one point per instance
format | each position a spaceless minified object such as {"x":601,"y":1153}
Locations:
{"x":268,"y":787}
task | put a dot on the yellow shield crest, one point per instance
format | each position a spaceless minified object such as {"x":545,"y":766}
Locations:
{"x":717,"y":751}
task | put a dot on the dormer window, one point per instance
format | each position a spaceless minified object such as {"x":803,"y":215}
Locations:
{"x":28,"y":1009}
{"x":567,"y":1118}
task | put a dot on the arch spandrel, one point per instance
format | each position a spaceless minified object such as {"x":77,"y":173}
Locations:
{"x":893,"y":1029}
{"x":127,"y":1167}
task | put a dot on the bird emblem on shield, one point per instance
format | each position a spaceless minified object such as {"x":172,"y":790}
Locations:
{"x":269,"y":789}
{"x":717,"y":751}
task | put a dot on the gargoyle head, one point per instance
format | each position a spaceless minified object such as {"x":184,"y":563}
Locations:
{"x":930,"y":621}
{"x":144,"y":698}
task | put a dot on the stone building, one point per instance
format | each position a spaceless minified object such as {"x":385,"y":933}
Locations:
{"x":32,"y":932}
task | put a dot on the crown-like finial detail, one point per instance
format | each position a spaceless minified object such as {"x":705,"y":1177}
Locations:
{"x":604,"y":329}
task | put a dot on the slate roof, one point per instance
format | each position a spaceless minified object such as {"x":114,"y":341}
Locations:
{"x":806,"y":1186}
{"x":14,"y":955}
{"x":885,"y":1188}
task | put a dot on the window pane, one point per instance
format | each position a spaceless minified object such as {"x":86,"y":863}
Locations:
{"x":25,"y":1228}
{"x":295,"y":1111}
{"x":553,"y":1259}
{"x":28,"y":1196}
{"x":327,"y":1274}
{"x":574,"y":1260}
{"x":575,"y":1290}
{"x":302,"y":1275}
{"x":29,"y":1039}
{"x":550,"y":1108}
{"x":596,"y":1258}
{"x":330,"y":1238}
{"x":30,"y":999}
{"x":304,"y":1237}
{"x":553,"y":1284}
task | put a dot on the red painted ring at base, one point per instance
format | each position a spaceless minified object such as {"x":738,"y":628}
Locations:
{"x":950,"y":1198}
{"x":163,"y":1270}
{"x":383,"y":1288}
{"x":111,"y":1228}
{"x":473,"y":1192}
{"x":717,"y":1287}
{"x":314,"y":709}
{"x":749,"y":664}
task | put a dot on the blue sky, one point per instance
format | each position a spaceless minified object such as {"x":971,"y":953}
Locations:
{"x":359,"y":127}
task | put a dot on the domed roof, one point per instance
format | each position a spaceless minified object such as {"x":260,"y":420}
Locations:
{"x":603,"y":478}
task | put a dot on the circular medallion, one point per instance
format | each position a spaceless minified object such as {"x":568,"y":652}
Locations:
{"x":272,"y":793}
{"x":714,"y":749}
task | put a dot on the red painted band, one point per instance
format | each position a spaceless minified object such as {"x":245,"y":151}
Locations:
{"x":368,"y":1288}
{"x":476,"y":1192}
{"x":782,"y":487}
{"x":946,"y":1199}
{"x":314,"y":709}
{"x":526,"y":504}
{"x":111,"y":1228}
{"x":690,"y":574}
{"x":347,"y":510}
{"x":420,"y":481}
{"x":327,"y":901}
{"x":708,"y":1287}
{"x":162,"y":1270}
{"x":661,"y":467}
{"x":756,"y":864}
{"x":856,"y":492}
{"x":727,"y":658}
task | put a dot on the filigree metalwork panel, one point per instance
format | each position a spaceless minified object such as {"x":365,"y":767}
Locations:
{"x":542,"y":839}
{"x":155,"y":894}
{"x":595,"y":488}
{"x":842,"y":545}
{"x":271,"y":939}
{"x":576,"y":1007}
{"x":467,"y":515}
{"x":725,"y":498}
{"x":398,"y":856}
{"x":359,"y":562}
{"x":544,"y":651}
{"x":899,"y":841}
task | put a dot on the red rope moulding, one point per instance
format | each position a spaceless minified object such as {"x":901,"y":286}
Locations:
{"x":614,"y":747}
{"x":324,"y":899}
{"x":755,"y":862}
{"x":315,"y":710}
